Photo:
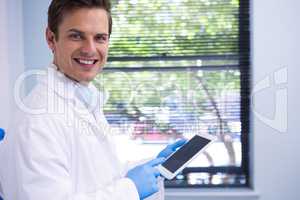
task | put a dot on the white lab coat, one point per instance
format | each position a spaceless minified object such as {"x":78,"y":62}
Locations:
{"x":61,"y":151}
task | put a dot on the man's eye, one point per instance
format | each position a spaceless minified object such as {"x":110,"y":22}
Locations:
{"x":75,"y":37}
{"x":102,"y":38}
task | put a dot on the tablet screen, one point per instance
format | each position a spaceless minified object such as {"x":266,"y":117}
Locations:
{"x":185,"y":153}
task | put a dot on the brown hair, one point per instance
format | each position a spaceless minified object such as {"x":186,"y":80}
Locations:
{"x":58,"y":8}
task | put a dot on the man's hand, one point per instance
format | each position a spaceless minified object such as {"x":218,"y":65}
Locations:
{"x":166,"y":152}
{"x":145,"y":177}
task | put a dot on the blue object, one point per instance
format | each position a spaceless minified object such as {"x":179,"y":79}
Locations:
{"x":145,"y":177}
{"x":166,"y":152}
{"x":2,"y":134}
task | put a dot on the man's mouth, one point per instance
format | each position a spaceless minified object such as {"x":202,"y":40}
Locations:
{"x":85,"y":61}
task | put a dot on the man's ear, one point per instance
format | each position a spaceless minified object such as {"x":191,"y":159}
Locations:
{"x":50,"y":37}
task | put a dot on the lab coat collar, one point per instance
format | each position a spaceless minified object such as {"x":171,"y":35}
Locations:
{"x":74,"y":93}
{"x":67,"y":88}
{"x":56,"y":82}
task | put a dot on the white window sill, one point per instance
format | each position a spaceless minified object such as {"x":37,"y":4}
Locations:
{"x":209,"y":193}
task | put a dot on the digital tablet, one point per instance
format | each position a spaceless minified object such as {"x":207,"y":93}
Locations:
{"x":176,"y":162}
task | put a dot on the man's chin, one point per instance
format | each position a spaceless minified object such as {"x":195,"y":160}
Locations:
{"x":87,"y":78}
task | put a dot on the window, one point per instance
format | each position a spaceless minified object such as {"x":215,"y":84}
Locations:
{"x":176,"y":68}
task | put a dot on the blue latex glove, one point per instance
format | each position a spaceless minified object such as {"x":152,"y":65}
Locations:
{"x":166,"y":152}
{"x":145,"y":177}
{"x":2,"y":134}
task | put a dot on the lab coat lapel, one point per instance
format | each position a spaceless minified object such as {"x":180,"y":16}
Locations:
{"x":67,"y":91}
{"x":86,"y":116}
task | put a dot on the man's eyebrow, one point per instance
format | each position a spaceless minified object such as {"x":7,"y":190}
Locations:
{"x":75,"y":30}
{"x":102,"y":34}
{"x":82,"y":33}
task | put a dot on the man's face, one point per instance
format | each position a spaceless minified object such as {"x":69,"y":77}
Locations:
{"x":81,"y":49}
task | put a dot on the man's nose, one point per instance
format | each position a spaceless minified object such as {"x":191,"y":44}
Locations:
{"x":88,"y":47}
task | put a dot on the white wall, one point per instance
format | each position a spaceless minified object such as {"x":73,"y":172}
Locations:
{"x":11,"y":55}
{"x":4,"y":70}
{"x":36,"y":52}
{"x":275,"y":44}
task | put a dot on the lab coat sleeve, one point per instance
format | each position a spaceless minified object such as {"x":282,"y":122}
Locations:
{"x":129,"y":165}
{"x":42,"y":166}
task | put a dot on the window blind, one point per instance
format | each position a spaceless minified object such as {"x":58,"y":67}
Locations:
{"x":179,"y":67}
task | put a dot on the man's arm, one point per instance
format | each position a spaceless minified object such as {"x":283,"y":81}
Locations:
{"x":41,"y":168}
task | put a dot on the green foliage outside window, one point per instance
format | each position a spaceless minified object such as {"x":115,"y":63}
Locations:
{"x":192,"y":94}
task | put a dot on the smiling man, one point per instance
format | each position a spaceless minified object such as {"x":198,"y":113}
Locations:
{"x":65,"y":151}
{"x":80,"y":42}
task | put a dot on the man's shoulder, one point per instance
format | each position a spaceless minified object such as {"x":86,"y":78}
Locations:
{"x":42,"y":99}
{"x":39,"y":123}
{"x":37,"y":97}
{"x":39,"y":106}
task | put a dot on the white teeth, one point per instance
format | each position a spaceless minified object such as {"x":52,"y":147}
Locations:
{"x":86,"y":62}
